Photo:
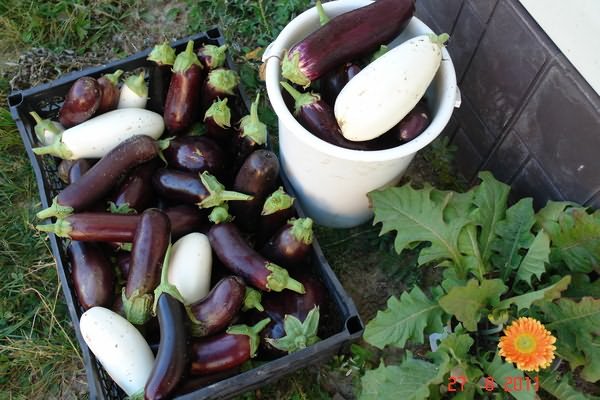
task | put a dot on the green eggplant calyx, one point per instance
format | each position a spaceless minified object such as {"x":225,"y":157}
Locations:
{"x":220,"y":112}
{"x":279,"y":279}
{"x":251,"y":125}
{"x":223,"y":80}
{"x":61,"y":228}
{"x":55,"y":210}
{"x":57,"y":149}
{"x":217,"y":55}
{"x":298,"y":335}
{"x":186,"y":59}
{"x":162,"y":54}
{"x":217,"y":193}
{"x":137,"y":85}
{"x":277,"y":201}
{"x":138,"y":307}
{"x":250,"y":331}
{"x":114,"y":77}
{"x":300,"y":99}
{"x":252,"y":299}
{"x":302,"y":230}
{"x":290,"y":69}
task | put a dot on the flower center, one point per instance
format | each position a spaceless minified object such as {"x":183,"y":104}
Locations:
{"x":525,"y":343}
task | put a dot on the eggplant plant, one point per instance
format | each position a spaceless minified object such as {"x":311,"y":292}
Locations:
{"x":501,"y":265}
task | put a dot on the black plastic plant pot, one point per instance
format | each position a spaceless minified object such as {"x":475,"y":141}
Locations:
{"x":340,"y":319}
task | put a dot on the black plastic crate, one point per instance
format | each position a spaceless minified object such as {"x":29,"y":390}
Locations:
{"x":339,"y":315}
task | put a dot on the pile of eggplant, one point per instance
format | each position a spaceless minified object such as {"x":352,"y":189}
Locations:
{"x":186,"y":255}
{"x":362,"y":95}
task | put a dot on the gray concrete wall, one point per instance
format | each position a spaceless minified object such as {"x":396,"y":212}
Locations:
{"x":527,"y":115}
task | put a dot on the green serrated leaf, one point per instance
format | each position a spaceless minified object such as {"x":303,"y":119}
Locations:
{"x":547,"y":217}
{"x":534,"y":262}
{"x":502,"y":372}
{"x":490,"y":198}
{"x":457,"y":346}
{"x":576,"y":326}
{"x":404,"y":319}
{"x":581,"y":286}
{"x":525,"y":301}
{"x":469,"y":303}
{"x":408,"y":381}
{"x":416,"y":217}
{"x":513,"y":234}
{"x":469,"y":247}
{"x":560,"y":387}
{"x":577,"y":242}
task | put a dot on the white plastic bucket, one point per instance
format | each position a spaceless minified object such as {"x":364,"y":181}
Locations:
{"x":331,"y":182}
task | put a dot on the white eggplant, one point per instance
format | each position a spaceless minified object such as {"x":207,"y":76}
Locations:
{"x":380,"y":95}
{"x":134,"y":92}
{"x":190,"y":267}
{"x":95,"y":137}
{"x":119,"y":346}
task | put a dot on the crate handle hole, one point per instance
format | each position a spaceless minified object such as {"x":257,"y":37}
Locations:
{"x":15,"y":100}
{"x":213,"y":33}
{"x":354,"y":325}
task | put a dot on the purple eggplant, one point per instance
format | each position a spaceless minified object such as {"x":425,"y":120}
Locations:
{"x":318,"y":118}
{"x":291,"y":245}
{"x":102,"y":177}
{"x":123,"y":262}
{"x":172,"y":362}
{"x":186,"y":219}
{"x":196,"y":154}
{"x":411,"y":126}
{"x":70,"y":171}
{"x":81,"y":103}
{"x":110,"y":92}
{"x":150,"y":242}
{"x":278,"y":305}
{"x":346,"y":37}
{"x":161,"y":58}
{"x":214,"y":312}
{"x":258,"y":177}
{"x":252,"y":135}
{"x":135,"y":193}
{"x":277,"y":210}
{"x":212,"y":56}
{"x":220,"y":83}
{"x":184,"y":89}
{"x":236,"y":255}
{"x":227,"y":350}
{"x":186,"y":187}
{"x":333,"y":82}
{"x":92,"y":274}
{"x":94,"y":227}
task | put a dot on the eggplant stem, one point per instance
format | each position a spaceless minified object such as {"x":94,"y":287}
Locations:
{"x":323,"y":17}
{"x":223,"y":80}
{"x":300,"y":99}
{"x":186,"y":59}
{"x":279,"y":279}
{"x":220,"y":214}
{"x":137,"y":84}
{"x":36,"y":117}
{"x":251,"y":126}
{"x":197,"y":328}
{"x":290,"y":69}
{"x":138,"y":307}
{"x":250,"y":331}
{"x":277,"y":201}
{"x":162,"y":54}
{"x":114,"y":77}
{"x":302,"y":230}
{"x":252,"y":299}
{"x":220,"y":112}
{"x":55,"y":210}
{"x":298,"y":335}
{"x":217,"y":194}
{"x":164,"y":286}
{"x":57,"y":149}
{"x":217,"y":55}
{"x":61,"y":228}
{"x":139,"y":395}
{"x":440,"y":40}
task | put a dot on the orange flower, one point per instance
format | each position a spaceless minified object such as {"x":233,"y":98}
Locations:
{"x":528,"y":344}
